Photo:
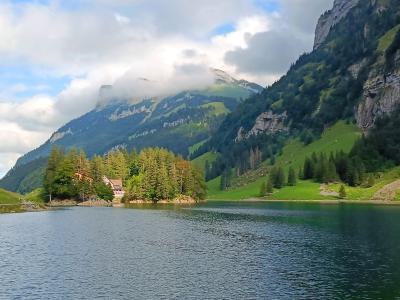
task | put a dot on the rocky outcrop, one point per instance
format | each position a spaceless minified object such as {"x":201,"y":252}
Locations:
{"x":60,"y":135}
{"x":61,"y":203}
{"x":381,"y":96}
{"x":96,"y":203}
{"x":266,"y":123}
{"x":388,"y":192}
{"x":325,"y":23}
{"x":178,"y":200}
{"x":30,"y":206}
{"x":355,"y":69}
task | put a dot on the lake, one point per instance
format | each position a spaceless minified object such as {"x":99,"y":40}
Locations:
{"x":219,"y":250}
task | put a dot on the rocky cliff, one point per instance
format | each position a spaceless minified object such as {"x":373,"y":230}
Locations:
{"x":266,"y":123}
{"x":381,"y":96}
{"x":332,"y":17}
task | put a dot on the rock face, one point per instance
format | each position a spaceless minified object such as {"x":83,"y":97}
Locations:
{"x":340,"y":9}
{"x":266,"y":123}
{"x":381,"y":96}
{"x":355,"y":69}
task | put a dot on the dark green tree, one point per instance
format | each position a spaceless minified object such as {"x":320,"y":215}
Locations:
{"x":342,"y":192}
{"x":292,"y":180}
{"x":263,"y":189}
{"x":270,"y":186}
{"x":104,"y":191}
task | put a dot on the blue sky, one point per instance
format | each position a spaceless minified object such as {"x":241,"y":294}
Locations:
{"x":25,"y":81}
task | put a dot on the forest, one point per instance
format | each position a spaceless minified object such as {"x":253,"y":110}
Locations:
{"x":317,"y":91}
{"x":153,"y":174}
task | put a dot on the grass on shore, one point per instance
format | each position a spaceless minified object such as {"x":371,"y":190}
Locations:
{"x":36,"y":196}
{"x":339,"y":137}
{"x":7,"y":197}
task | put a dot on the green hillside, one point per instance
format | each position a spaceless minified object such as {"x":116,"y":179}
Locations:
{"x":341,"y":136}
{"x":7,"y":197}
{"x":201,"y":160}
{"x":9,"y":202}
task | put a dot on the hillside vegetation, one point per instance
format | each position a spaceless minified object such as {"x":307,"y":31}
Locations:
{"x":9,"y":202}
{"x":7,"y":197}
{"x":321,"y":88}
{"x":340,"y":137}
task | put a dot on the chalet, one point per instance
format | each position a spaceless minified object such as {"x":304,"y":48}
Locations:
{"x":116,"y":185}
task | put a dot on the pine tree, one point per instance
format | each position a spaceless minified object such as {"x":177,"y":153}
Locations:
{"x":301,"y":173}
{"x":56,"y":156}
{"x":371,"y":181}
{"x":270,"y":186}
{"x":64,"y":180}
{"x":342,"y":192}
{"x":279,"y":178}
{"x":97,"y":168}
{"x":263,"y":189}
{"x":292,"y":181}
{"x":308,"y":169}
{"x":252,"y":159}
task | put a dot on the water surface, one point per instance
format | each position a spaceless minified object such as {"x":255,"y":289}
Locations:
{"x":210,"y":251}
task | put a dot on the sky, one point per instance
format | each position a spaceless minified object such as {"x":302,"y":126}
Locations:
{"x":55,"y":54}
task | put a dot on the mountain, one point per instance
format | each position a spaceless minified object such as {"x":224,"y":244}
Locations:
{"x":176,"y":122}
{"x":353,"y":74}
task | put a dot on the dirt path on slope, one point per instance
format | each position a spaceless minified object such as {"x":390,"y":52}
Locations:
{"x":388,"y":192}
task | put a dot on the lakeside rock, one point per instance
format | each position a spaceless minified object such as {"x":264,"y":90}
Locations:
{"x":30,"y":206}
{"x":96,"y":203}
{"x":177,"y":200}
{"x":62,"y":203}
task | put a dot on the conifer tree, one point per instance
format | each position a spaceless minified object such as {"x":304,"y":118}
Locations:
{"x":270,"y":186}
{"x":371,"y":181}
{"x":308,"y":169}
{"x":292,"y":181}
{"x":342,"y":192}
{"x":56,"y":156}
{"x":263,"y":189}
{"x":278,"y":177}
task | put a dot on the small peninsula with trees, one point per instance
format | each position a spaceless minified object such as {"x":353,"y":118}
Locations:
{"x":154,"y":175}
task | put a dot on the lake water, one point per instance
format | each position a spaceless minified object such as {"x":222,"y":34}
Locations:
{"x":210,"y":251}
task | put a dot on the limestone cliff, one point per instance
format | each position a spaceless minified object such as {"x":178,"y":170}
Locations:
{"x":266,"y":123}
{"x":325,"y":23}
{"x":381,"y":96}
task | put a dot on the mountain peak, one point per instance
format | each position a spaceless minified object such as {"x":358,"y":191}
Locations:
{"x":332,"y":17}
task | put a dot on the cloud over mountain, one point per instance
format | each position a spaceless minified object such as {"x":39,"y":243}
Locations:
{"x":71,"y":48}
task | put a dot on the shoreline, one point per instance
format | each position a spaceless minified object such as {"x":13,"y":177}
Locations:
{"x":338,"y":201}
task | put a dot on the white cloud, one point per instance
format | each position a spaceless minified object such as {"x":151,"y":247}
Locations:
{"x":118,"y":41}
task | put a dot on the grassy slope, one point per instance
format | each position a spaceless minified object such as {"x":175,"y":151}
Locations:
{"x":195,"y":147}
{"x":9,"y":202}
{"x":386,"y":40}
{"x":36,"y":196}
{"x":359,"y":193}
{"x":7,"y":197}
{"x":217,"y":108}
{"x":201,"y":160}
{"x":339,"y":137}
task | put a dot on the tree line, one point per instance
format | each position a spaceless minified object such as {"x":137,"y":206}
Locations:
{"x":153,"y":174}
{"x":277,"y":179}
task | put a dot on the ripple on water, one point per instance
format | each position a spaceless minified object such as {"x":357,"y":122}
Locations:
{"x":212,"y":251}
